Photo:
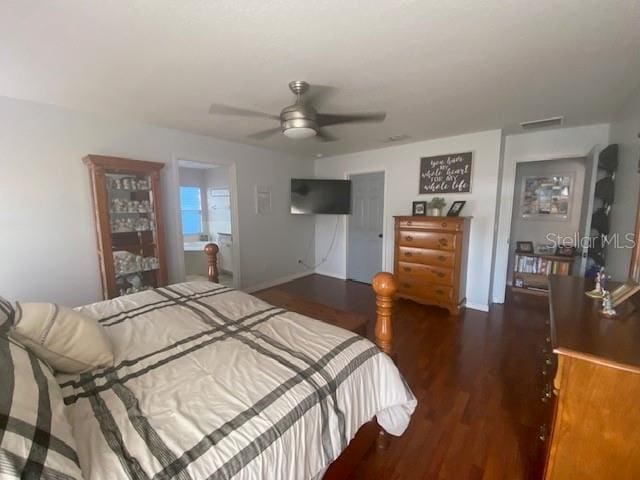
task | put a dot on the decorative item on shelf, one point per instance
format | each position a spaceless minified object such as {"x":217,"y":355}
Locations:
{"x":545,"y":248}
{"x":456,"y":208}
{"x":419,"y":209}
{"x":524,"y":247}
{"x":607,"y":305}
{"x":435,"y":207}
{"x":518,"y":282}
{"x":126,"y":263}
{"x":124,"y":225}
{"x":565,"y":251}
{"x":598,"y":291}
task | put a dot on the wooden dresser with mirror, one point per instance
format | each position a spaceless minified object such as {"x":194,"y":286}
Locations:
{"x":129,"y":224}
{"x":430,"y":260}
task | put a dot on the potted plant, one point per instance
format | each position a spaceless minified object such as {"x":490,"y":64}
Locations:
{"x":435,"y":207}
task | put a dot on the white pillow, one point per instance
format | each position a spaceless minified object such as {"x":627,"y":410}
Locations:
{"x":66,"y":339}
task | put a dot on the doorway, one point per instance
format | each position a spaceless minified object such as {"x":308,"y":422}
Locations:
{"x":365,"y":226}
{"x":205,"y":216}
{"x":551,"y":213}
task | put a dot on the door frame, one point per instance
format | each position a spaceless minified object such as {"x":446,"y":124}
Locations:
{"x":176,"y":241}
{"x":385,"y":222}
{"x":498,"y":291}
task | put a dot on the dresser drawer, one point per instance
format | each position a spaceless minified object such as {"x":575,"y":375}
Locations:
{"x":415,"y":288}
{"x":424,"y":239}
{"x":437,"y":258}
{"x":431,"y":223}
{"x":427,"y":273}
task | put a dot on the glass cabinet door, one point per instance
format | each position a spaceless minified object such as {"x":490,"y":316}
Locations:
{"x":133,"y":232}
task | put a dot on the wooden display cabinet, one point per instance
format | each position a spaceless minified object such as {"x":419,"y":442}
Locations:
{"x":129,"y":224}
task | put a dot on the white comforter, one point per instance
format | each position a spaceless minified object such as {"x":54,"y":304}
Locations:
{"x":212,"y":383}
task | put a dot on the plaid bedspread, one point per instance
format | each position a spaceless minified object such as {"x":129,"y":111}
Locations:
{"x":212,"y":383}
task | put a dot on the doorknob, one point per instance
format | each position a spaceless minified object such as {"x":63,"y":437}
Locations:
{"x":379,"y":235}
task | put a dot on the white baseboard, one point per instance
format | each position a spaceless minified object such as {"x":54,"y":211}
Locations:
{"x":483,"y":307}
{"x":329,"y":273}
{"x":277,"y":281}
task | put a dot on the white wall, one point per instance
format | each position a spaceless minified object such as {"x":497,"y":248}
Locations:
{"x":528,"y":147}
{"x":624,"y":131}
{"x":401,"y":164}
{"x":48,"y":240}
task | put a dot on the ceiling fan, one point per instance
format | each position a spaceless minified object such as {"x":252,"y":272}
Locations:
{"x":300,"y":120}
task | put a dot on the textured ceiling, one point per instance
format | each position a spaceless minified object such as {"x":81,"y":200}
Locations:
{"x":437,"y":67}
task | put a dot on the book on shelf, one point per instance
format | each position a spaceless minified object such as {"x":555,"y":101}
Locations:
{"x":540,"y":265}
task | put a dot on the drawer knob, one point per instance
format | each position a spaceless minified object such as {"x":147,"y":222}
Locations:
{"x":542,"y":433}
{"x":443,"y":242}
{"x":439,"y":274}
{"x":408,"y":238}
{"x":547,"y":393}
{"x":442,"y":258}
{"x":439,"y":292}
{"x":444,"y":224}
{"x":407,"y":254}
{"x":406,"y":285}
{"x":406,"y":269}
{"x":409,"y":222}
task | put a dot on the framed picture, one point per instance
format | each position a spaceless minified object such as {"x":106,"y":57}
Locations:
{"x":419,"y":209}
{"x":455,"y":209}
{"x":624,"y":292}
{"x":524,"y":247}
{"x":547,"y":197}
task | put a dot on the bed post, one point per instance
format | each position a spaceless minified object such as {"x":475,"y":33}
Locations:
{"x":211,"y":250}
{"x":384,"y":284}
{"x":385,"y":287}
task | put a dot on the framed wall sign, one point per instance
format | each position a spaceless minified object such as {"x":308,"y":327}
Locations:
{"x":446,"y":173}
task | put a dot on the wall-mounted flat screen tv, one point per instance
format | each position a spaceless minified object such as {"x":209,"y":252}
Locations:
{"x":310,"y":196}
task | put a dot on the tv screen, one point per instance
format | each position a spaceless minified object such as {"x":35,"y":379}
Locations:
{"x":320,"y":196}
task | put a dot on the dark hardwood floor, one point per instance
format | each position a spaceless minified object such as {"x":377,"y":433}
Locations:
{"x":477,"y":378}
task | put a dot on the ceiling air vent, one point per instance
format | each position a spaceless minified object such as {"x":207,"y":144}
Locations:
{"x":395,"y":138}
{"x":544,"y":123}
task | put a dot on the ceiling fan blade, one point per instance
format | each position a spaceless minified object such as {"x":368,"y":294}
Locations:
{"x":262,"y":135}
{"x":221,"y":109}
{"x":323,"y":136}
{"x":325,"y":119}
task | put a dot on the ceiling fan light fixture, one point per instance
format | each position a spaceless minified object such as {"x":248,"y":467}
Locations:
{"x":300,"y":132}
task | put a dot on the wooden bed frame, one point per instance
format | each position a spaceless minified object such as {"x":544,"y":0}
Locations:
{"x":384,"y":286}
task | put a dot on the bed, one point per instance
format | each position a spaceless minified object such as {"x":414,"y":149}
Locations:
{"x":212,"y":383}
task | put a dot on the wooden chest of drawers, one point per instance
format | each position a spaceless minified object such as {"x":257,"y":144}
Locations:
{"x":430,"y":260}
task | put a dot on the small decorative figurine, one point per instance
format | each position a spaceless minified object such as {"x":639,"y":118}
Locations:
{"x":598,"y":291}
{"x":607,"y":307}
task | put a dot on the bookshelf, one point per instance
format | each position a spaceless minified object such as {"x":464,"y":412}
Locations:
{"x":533,"y":270}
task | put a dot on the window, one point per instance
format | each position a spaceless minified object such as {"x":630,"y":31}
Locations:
{"x":191,"y":210}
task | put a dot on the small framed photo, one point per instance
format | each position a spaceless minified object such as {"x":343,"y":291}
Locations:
{"x":455,"y":209}
{"x":524,"y":247}
{"x":419,"y":209}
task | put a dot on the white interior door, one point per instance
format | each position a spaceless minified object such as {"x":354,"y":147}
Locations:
{"x":364,"y":253}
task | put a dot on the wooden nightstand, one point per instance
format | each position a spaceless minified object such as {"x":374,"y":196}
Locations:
{"x":354,"y":322}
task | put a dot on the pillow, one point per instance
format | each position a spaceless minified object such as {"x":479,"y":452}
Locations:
{"x":6,"y":315}
{"x":36,"y":440}
{"x":68,"y":340}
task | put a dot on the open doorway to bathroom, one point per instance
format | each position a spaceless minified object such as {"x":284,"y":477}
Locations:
{"x":205,"y":214}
